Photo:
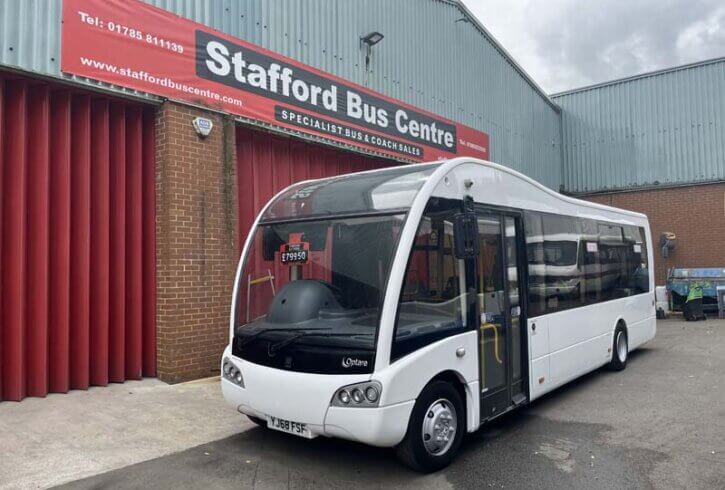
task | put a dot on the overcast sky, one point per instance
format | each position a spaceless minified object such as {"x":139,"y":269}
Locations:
{"x":565,"y":44}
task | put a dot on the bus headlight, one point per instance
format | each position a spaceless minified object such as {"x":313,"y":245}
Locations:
{"x":372,"y":394}
{"x":232,"y":373}
{"x":363,"y":395}
{"x":357,"y":396}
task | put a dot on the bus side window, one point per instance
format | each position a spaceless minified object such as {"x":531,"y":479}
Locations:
{"x":577,"y":261}
{"x":591,"y":266}
{"x":635,"y":257}
{"x":562,"y":240}
{"x":534,"y":233}
{"x":611,"y":251}
{"x":432,"y":305}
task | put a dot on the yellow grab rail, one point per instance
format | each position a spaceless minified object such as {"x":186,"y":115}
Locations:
{"x":492,"y":326}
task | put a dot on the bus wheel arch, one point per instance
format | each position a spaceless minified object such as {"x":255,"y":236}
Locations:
{"x":458,"y":382}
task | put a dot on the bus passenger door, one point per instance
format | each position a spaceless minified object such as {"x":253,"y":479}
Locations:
{"x":498,"y":272}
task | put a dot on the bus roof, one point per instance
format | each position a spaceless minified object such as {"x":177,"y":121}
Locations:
{"x":394,"y":188}
{"x":384,"y":190}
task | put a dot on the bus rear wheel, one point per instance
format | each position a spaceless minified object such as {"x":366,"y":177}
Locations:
{"x":435,"y":429}
{"x":620,"y":349}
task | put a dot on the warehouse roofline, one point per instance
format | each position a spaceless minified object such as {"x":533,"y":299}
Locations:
{"x":473,"y":20}
{"x":640,"y":76}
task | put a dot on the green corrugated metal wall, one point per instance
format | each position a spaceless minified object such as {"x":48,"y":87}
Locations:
{"x":662,"y":128}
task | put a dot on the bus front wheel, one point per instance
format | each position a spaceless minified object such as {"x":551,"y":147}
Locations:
{"x":435,"y":429}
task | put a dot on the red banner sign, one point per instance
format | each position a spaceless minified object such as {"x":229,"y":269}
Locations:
{"x":133,"y":44}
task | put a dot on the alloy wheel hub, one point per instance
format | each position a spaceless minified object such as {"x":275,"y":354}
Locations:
{"x":621,"y":347}
{"x":439,"y":427}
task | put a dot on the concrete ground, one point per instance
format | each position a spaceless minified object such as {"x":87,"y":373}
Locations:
{"x":60,"y":438}
{"x":658,"y":424}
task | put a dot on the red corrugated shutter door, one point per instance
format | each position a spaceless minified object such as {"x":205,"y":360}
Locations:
{"x":14,"y":239}
{"x":100,"y":248}
{"x":59,"y":285}
{"x":75,"y":271}
{"x":38,"y":235}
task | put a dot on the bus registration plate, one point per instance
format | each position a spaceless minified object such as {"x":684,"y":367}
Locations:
{"x":296,"y":428}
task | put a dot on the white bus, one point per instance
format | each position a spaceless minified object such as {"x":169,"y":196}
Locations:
{"x":406,"y":306}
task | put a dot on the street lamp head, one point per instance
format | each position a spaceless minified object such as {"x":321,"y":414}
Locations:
{"x":372,"y":38}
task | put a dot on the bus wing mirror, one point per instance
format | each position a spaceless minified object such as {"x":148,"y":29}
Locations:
{"x":465,"y":236}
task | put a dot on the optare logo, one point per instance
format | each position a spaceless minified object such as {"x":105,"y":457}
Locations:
{"x":348,"y":362}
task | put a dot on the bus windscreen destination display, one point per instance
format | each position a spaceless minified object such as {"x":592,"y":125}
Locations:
{"x":132,"y":44}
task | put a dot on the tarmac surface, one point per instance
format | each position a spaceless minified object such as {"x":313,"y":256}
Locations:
{"x":658,"y":424}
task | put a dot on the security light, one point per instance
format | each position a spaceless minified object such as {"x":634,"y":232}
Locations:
{"x":368,"y":41}
{"x":372,"y":39}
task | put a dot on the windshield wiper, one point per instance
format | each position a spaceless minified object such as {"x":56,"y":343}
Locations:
{"x":248,"y":338}
{"x":280,"y":345}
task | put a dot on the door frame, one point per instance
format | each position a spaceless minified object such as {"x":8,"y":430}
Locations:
{"x":506,"y":394}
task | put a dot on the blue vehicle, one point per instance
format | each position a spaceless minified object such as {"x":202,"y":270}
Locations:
{"x":679,"y":282}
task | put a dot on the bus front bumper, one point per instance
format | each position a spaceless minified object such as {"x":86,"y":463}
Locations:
{"x":380,"y":426}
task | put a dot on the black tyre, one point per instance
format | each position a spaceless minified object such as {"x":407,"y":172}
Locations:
{"x":258,"y":421}
{"x":620,"y":349}
{"x":435,"y":429}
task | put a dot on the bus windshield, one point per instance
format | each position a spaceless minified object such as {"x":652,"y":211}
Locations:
{"x":310,"y":293}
